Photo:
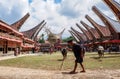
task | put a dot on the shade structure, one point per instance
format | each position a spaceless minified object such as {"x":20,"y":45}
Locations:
{"x":111,"y":41}
{"x":114,"y":41}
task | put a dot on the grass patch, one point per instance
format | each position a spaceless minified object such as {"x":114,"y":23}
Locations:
{"x":53,"y":61}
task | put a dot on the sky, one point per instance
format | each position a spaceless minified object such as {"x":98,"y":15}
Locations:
{"x":58,"y":14}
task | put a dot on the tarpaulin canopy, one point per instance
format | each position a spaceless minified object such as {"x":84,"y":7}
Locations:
{"x":114,"y":41}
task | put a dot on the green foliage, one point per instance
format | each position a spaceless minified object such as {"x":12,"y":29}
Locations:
{"x":41,"y":40}
{"x":68,"y":38}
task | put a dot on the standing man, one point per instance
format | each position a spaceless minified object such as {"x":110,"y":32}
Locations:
{"x":64,"y":52}
{"x":78,"y":53}
{"x":100,"y":51}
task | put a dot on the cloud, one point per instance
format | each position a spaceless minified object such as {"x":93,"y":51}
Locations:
{"x":69,"y":10}
{"x":57,"y":15}
{"x":12,"y":10}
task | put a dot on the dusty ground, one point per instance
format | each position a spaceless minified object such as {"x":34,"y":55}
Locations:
{"x":24,"y":73}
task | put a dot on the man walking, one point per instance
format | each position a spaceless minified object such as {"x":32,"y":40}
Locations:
{"x":78,"y":53}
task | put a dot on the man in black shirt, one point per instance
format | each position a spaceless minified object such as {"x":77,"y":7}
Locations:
{"x":78,"y":53}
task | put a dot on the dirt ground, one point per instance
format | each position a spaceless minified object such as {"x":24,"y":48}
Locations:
{"x":25,"y":73}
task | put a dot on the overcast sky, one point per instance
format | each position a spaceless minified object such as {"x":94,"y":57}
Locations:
{"x":58,"y":14}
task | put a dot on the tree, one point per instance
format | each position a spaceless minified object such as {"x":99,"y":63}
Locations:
{"x":68,"y":38}
{"x":41,"y":40}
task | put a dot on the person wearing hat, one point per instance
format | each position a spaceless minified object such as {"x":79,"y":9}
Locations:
{"x":78,"y":53}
